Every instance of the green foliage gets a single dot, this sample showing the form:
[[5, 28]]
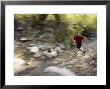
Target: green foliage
[[22, 16], [69, 24], [75, 23], [50, 17], [61, 34]]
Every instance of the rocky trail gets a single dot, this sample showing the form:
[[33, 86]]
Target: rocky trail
[[38, 55]]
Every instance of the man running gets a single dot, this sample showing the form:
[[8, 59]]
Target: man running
[[78, 38]]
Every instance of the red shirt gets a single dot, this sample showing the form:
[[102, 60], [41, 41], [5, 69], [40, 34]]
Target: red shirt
[[78, 39]]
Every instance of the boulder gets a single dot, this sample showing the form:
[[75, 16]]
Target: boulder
[[24, 39], [43, 47], [18, 61], [28, 47], [20, 28], [38, 54], [32, 44], [82, 61], [43, 57], [51, 54], [92, 62], [58, 71], [59, 49], [61, 45], [34, 49]]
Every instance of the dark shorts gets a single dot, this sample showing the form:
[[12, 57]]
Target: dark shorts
[[79, 46]]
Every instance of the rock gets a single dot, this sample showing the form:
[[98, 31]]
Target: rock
[[43, 57], [18, 62], [41, 36], [43, 47], [71, 62], [39, 43], [58, 71], [82, 61], [34, 49], [32, 44], [20, 28], [55, 62], [28, 47], [62, 46], [24, 39], [95, 69], [92, 62], [29, 62], [50, 54], [58, 49], [38, 54], [79, 54], [82, 65], [69, 66]]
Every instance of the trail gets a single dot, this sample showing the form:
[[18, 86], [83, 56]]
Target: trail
[[80, 65]]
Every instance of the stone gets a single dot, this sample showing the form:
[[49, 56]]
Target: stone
[[59, 49], [34, 49], [55, 62], [43, 57], [28, 47], [20, 28], [58, 71], [82, 61], [43, 47], [18, 61], [69, 66], [92, 62], [50, 54], [38, 54], [62, 46], [32, 44], [41, 36], [24, 39]]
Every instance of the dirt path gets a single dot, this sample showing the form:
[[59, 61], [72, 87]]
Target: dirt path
[[80, 65]]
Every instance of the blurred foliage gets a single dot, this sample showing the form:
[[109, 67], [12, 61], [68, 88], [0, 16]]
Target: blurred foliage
[[66, 25]]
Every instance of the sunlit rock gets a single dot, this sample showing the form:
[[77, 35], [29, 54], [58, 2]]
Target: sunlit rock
[[28, 47], [18, 61], [58, 49], [38, 54], [34, 49], [82, 61], [50, 53], [20, 28], [61, 45], [43, 47], [24, 39], [58, 71], [32, 44]]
